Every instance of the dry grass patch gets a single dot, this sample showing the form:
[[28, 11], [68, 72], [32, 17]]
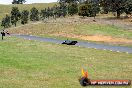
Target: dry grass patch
[[73, 27]]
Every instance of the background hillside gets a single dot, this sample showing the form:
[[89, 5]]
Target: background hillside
[[5, 9]]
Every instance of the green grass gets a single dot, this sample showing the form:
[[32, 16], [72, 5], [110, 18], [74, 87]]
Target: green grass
[[102, 29], [43, 29], [31, 64]]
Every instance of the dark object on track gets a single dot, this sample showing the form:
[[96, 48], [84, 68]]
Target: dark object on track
[[7, 33], [69, 42]]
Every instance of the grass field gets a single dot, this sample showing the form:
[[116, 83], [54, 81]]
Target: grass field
[[103, 29], [31, 64]]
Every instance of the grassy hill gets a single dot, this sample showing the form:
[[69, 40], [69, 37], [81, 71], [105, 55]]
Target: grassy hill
[[6, 9]]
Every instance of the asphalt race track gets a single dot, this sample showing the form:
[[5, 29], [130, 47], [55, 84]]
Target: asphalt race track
[[80, 44]]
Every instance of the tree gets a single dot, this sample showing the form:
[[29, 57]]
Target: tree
[[128, 9], [89, 8], [94, 7], [48, 12], [34, 14], [55, 11], [21, 1], [14, 2], [15, 15], [18, 1], [68, 1], [63, 9], [24, 16], [69, 6], [6, 22], [118, 6], [52, 12], [72, 8], [43, 14]]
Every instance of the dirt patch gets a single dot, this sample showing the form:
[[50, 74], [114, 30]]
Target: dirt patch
[[97, 38]]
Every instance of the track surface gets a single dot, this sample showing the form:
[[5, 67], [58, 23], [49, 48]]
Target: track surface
[[80, 43]]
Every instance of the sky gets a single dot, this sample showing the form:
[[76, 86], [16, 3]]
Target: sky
[[28, 1]]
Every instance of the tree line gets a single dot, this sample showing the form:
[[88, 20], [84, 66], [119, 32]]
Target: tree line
[[95, 6], [34, 14], [67, 7], [18, 1], [116, 6]]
